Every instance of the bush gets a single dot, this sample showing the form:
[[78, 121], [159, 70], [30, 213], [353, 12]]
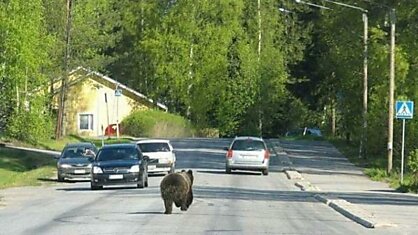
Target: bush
[[413, 167], [30, 127], [154, 123]]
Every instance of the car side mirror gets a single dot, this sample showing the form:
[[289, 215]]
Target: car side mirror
[[226, 148], [57, 157], [146, 158]]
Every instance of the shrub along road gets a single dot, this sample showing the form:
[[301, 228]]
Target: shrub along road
[[239, 203]]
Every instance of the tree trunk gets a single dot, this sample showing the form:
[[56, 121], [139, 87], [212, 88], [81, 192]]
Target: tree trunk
[[60, 128]]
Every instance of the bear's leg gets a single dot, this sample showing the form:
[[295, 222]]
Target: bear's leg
[[184, 205], [168, 203]]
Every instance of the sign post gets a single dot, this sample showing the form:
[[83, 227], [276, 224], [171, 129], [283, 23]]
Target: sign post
[[107, 110], [404, 110], [118, 93], [103, 135]]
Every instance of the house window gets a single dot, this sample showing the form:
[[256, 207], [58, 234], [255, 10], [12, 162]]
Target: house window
[[86, 121]]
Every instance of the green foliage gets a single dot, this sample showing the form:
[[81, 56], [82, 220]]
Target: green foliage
[[202, 59], [413, 166], [94, 31], [377, 174], [154, 123], [23, 40], [30, 126]]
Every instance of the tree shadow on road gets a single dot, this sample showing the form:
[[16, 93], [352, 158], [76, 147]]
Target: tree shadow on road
[[47, 179], [232, 193]]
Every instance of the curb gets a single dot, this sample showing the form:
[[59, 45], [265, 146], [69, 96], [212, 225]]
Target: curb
[[306, 186], [292, 174], [349, 210], [49, 152]]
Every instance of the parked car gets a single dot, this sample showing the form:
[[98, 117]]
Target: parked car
[[248, 153], [75, 161], [304, 132], [119, 164], [161, 154]]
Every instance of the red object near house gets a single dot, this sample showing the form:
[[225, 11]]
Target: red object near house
[[111, 130]]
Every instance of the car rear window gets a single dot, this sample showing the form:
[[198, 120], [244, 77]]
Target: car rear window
[[248, 145], [154, 147], [117, 154]]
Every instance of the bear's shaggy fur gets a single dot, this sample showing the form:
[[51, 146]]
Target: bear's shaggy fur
[[177, 188]]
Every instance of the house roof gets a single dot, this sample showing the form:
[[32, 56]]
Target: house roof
[[117, 85]]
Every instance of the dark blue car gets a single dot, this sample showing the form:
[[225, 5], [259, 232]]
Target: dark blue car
[[119, 164]]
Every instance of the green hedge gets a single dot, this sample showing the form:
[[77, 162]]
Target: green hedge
[[154, 123]]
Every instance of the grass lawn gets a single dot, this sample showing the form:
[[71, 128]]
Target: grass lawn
[[22, 168]]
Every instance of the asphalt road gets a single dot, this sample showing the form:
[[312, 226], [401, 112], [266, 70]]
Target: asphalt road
[[239, 203]]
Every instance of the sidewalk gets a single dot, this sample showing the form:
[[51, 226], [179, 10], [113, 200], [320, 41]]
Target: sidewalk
[[344, 187]]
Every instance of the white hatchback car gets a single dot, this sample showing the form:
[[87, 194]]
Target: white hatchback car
[[161, 154], [248, 153]]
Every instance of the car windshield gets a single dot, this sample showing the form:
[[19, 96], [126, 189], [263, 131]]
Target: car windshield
[[154, 147], [77, 152], [110, 154], [248, 145]]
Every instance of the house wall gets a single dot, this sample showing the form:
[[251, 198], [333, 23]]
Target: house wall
[[87, 97]]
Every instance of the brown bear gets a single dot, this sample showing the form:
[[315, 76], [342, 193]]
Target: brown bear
[[177, 188]]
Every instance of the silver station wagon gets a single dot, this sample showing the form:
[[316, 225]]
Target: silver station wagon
[[248, 153]]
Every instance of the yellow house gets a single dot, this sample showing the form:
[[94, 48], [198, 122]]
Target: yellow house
[[94, 101]]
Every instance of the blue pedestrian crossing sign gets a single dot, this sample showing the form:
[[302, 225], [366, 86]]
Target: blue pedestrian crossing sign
[[404, 109]]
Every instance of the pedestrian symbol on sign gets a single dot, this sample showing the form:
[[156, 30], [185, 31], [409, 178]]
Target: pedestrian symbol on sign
[[404, 109]]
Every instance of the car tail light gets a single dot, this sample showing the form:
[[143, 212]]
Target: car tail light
[[229, 153], [266, 154]]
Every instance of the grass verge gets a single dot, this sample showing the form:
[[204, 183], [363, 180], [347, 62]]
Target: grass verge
[[22, 168]]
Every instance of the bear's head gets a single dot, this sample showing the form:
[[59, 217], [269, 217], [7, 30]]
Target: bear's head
[[189, 173]]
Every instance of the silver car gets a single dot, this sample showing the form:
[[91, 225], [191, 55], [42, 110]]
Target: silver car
[[75, 161], [248, 153]]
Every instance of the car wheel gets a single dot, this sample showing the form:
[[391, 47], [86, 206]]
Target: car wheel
[[141, 183], [265, 172], [228, 170], [95, 187], [60, 178]]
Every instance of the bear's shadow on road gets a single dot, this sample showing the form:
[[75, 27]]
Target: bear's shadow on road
[[147, 213], [152, 213]]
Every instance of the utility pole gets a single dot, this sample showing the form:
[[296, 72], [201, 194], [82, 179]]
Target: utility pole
[[260, 112], [60, 128], [391, 89], [363, 141]]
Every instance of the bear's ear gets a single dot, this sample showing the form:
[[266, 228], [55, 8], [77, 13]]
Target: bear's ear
[[190, 174], [183, 170]]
